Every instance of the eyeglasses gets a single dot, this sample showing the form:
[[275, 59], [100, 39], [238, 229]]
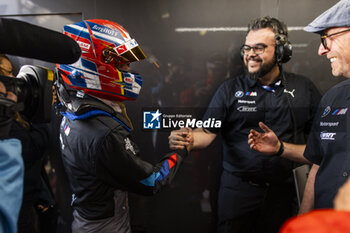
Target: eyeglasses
[[257, 49], [324, 37]]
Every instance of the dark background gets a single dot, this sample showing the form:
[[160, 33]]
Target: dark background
[[183, 58]]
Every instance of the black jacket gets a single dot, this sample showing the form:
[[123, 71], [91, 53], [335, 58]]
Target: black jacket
[[34, 142], [100, 156]]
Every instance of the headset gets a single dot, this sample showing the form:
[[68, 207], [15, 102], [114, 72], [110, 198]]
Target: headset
[[283, 48], [283, 53]]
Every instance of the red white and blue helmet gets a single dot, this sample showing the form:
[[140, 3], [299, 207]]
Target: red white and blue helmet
[[104, 45]]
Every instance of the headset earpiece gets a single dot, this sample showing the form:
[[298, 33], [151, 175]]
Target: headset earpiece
[[283, 50]]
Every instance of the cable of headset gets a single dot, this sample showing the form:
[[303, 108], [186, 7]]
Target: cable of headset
[[290, 104]]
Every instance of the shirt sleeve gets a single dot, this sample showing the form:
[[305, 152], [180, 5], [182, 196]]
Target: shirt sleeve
[[315, 98], [119, 164], [11, 184], [217, 108], [313, 146]]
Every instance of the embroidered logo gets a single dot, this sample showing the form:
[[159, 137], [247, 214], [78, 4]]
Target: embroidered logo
[[73, 199], [339, 111], [246, 109], [246, 101], [326, 111], [251, 93], [329, 124], [66, 130], [289, 92], [327, 136], [129, 146], [239, 94]]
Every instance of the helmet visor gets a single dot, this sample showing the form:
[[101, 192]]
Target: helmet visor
[[135, 54], [130, 51]]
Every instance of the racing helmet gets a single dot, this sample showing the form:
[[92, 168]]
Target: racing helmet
[[105, 46]]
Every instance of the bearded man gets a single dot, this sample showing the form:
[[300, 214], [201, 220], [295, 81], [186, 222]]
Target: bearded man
[[257, 192]]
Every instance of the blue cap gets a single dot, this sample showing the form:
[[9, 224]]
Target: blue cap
[[336, 16]]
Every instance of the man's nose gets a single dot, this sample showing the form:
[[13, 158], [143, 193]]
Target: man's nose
[[322, 50]]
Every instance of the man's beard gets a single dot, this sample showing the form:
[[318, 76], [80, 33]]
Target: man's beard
[[264, 69]]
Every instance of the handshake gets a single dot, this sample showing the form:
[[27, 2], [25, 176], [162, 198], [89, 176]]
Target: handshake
[[180, 139]]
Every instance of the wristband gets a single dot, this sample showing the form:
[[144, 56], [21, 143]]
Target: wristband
[[281, 150]]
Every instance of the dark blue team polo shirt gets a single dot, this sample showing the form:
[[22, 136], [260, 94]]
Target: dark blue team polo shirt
[[328, 144], [241, 103]]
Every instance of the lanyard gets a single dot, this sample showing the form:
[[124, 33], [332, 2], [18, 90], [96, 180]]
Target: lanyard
[[272, 87]]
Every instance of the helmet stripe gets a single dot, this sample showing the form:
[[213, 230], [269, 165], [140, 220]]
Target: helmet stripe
[[84, 32], [77, 31]]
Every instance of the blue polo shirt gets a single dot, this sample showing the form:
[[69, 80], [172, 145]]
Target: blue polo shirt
[[241, 103], [328, 144]]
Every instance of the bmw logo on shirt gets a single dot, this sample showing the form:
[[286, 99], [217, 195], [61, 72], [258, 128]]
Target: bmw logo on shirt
[[239, 94]]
